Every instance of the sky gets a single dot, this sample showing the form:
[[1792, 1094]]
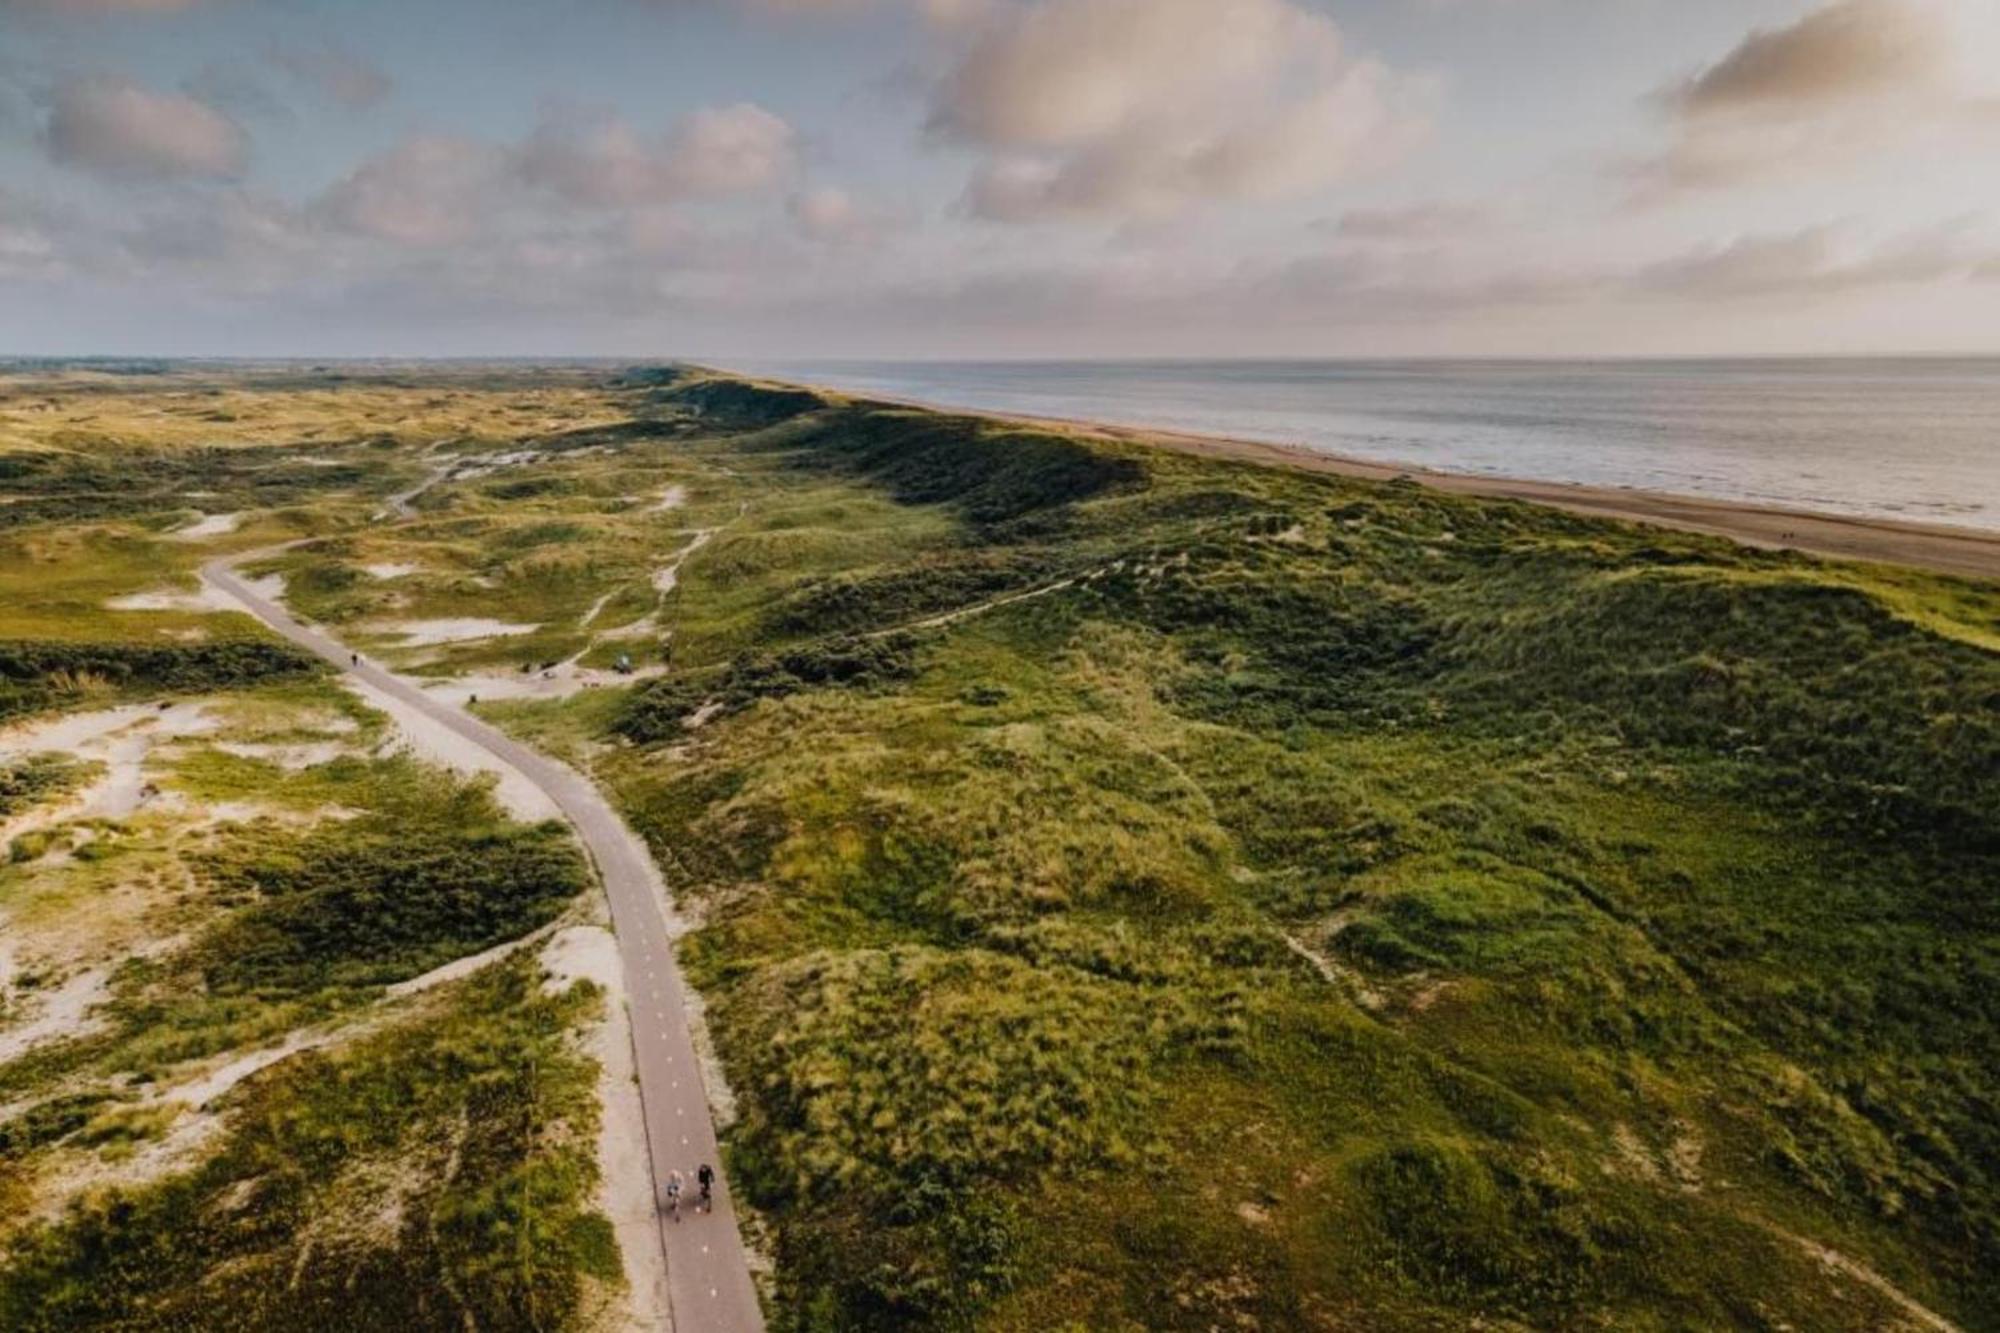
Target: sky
[[999, 178]]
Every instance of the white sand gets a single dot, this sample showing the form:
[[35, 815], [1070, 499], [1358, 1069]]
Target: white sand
[[209, 525], [457, 629], [460, 968], [170, 599], [441, 745], [118, 738], [62, 1012], [391, 570], [558, 682], [670, 499]]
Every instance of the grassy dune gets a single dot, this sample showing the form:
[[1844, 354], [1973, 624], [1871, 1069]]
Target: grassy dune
[[1341, 905], [1134, 891]]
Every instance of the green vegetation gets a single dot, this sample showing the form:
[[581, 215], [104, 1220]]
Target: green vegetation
[[381, 898], [35, 780], [37, 675], [1136, 890], [472, 1125], [1326, 903]]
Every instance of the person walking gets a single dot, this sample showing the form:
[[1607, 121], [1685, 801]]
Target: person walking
[[674, 1183], [705, 1177]]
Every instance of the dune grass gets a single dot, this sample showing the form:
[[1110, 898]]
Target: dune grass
[[1338, 905], [1145, 892]]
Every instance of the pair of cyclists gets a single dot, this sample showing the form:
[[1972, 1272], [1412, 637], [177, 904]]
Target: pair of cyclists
[[704, 1177]]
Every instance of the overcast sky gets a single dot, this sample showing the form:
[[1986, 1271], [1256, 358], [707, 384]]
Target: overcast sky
[[779, 178]]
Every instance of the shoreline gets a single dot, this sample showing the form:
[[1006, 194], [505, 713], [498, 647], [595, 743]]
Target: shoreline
[[1972, 553]]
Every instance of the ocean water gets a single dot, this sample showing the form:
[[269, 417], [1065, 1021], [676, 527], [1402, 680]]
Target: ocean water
[[1912, 439]]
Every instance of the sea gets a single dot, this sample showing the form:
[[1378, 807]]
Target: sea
[[1916, 439]]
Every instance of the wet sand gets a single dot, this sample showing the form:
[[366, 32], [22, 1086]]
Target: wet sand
[[1966, 552]]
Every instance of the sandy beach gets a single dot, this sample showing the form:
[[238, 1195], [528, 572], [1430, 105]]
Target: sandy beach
[[1965, 552]]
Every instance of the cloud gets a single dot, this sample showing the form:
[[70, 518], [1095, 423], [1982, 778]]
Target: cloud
[[1823, 261], [431, 190], [29, 239], [1414, 223], [1143, 108], [436, 190], [1847, 84], [334, 71], [117, 128], [727, 150], [608, 163], [1847, 50], [833, 216]]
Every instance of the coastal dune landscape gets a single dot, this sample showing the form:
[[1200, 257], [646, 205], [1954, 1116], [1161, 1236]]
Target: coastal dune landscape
[[1090, 854], [999, 666]]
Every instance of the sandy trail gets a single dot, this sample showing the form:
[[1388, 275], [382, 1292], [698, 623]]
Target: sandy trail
[[208, 525], [669, 578]]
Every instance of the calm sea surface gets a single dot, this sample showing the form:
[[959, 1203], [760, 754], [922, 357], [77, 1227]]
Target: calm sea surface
[[1909, 439]]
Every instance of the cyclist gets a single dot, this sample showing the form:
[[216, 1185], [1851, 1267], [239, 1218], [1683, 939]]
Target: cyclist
[[674, 1183], [705, 1177]]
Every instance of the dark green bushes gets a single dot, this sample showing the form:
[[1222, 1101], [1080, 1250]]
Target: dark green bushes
[[930, 586], [35, 673], [377, 900], [27, 782], [991, 473], [659, 710]]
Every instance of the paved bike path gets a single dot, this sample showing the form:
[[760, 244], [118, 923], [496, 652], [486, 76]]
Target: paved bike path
[[708, 1279]]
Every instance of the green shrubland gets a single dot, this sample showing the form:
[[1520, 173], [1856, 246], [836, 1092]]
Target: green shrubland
[[1336, 904], [480, 1119]]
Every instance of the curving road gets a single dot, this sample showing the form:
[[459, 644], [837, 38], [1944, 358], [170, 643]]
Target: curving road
[[708, 1280]]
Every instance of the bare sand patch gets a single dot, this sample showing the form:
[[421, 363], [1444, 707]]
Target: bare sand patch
[[208, 525], [453, 629], [390, 569], [64, 1011], [670, 499], [558, 682], [440, 744], [169, 599], [119, 739]]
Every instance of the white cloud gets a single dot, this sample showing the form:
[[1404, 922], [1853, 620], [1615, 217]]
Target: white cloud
[[431, 190], [1144, 108], [726, 150], [607, 163], [117, 128]]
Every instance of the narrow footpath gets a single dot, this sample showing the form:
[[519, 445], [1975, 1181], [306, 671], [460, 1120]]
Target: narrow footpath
[[707, 1277]]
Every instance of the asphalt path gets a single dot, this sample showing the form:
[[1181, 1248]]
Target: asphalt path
[[708, 1279]]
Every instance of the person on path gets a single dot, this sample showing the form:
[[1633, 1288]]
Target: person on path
[[705, 1177], [674, 1183]]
